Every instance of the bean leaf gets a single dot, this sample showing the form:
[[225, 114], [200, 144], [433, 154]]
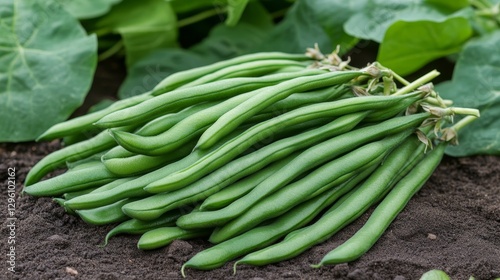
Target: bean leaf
[[143, 25], [407, 46], [376, 16], [85, 9], [223, 42], [476, 84], [47, 62]]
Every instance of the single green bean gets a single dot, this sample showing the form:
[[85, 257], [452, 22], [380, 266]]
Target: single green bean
[[140, 164], [180, 78], [106, 214], [386, 211], [160, 237], [86, 122], [134, 226], [92, 176]]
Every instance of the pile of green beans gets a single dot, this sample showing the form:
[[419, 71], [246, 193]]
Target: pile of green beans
[[265, 155]]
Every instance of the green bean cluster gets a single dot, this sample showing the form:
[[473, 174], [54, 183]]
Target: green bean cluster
[[265, 155]]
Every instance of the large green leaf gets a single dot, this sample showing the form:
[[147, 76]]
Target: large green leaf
[[223, 42], [144, 25], [235, 10], [454, 5], [85, 9], [476, 84], [376, 16], [407, 46], [298, 31], [47, 62]]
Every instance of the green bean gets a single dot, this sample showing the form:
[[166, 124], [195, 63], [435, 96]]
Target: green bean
[[297, 100], [92, 176], [310, 158], [331, 222], [287, 197], [386, 211], [134, 226], [70, 195], [165, 122], [113, 184], [178, 99], [234, 147], [247, 69], [268, 96], [139, 164], [154, 206], [61, 201], [265, 235], [104, 215], [159, 237], [180, 78], [86, 122], [58, 159]]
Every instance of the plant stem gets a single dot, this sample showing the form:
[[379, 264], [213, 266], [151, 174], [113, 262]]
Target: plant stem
[[417, 83], [463, 122], [111, 51], [200, 16], [465, 111]]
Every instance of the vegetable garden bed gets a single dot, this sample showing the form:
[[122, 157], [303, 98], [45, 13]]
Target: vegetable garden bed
[[348, 136]]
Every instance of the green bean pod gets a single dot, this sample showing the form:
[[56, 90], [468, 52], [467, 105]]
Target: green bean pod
[[70, 181], [86, 122], [134, 226], [106, 214], [165, 122], [178, 99], [386, 211], [247, 69], [300, 99], [310, 158], [230, 149], [355, 204], [140, 164], [293, 194], [154, 206], [58, 159], [163, 236], [268, 96], [264, 235], [183, 77]]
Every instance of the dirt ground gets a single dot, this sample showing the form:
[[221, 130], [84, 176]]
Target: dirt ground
[[452, 224]]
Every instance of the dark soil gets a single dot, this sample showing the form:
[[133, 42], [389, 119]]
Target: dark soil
[[452, 224]]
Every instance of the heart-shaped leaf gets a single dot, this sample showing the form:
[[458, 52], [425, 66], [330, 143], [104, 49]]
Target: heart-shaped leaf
[[47, 63]]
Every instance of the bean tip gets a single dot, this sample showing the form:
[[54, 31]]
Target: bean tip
[[316, 265], [183, 273]]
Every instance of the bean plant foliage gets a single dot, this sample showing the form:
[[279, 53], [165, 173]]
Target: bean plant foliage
[[48, 48]]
